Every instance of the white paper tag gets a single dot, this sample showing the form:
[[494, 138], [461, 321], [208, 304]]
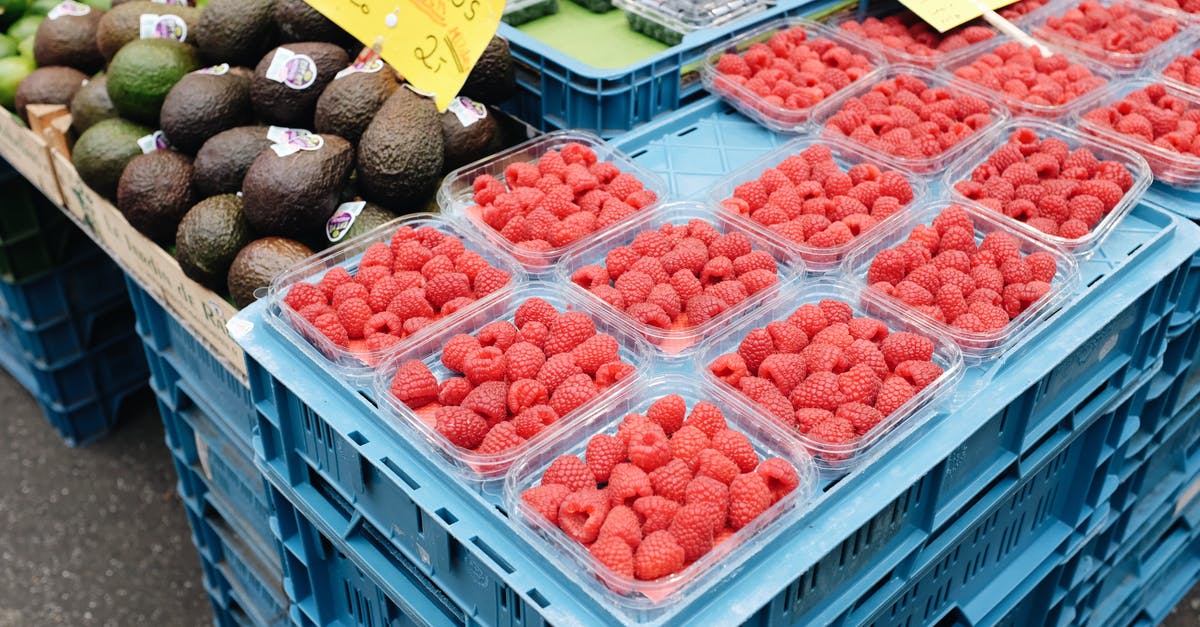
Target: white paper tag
[[68, 8], [154, 141], [297, 71], [427, 94], [216, 70], [163, 27], [289, 141], [370, 67], [467, 111], [202, 453], [343, 218]]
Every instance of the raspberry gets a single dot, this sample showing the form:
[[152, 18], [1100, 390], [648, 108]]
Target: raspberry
[[570, 471], [687, 442], [754, 260], [614, 553], [707, 490], [649, 314], [414, 385], [573, 392], [489, 280], [523, 394], [668, 412], [622, 523], [649, 449], [546, 499], [749, 496], [411, 303], [903, 346], [671, 479], [627, 483], [833, 431], [353, 314], [820, 391], [666, 298], [766, 395], [485, 364], [920, 373], [410, 255], [567, 331], [1042, 266], [729, 368], [713, 463], [755, 347], [656, 512], [463, 427], [780, 476], [895, 392], [862, 417], [736, 447], [500, 438], [303, 294], [785, 371], [809, 318], [603, 453], [333, 279], [535, 309], [706, 417], [658, 556], [346, 291], [531, 421], [582, 513], [859, 383], [588, 277], [596, 351], [703, 307], [490, 400], [456, 350], [558, 369], [692, 530], [439, 264], [501, 334], [522, 359]]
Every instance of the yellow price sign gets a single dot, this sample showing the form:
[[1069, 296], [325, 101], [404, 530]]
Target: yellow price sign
[[946, 14], [432, 43]]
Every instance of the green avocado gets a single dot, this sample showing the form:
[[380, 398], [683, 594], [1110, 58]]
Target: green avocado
[[91, 104], [400, 156], [347, 105], [154, 193], [201, 105], [223, 160], [123, 24], [238, 32], [69, 40], [209, 238], [102, 152], [259, 262], [142, 73], [293, 100], [294, 195], [48, 85]]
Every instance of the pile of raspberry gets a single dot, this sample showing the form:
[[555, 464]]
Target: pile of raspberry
[[1024, 7], [941, 272], [810, 200], [827, 374], [661, 492], [559, 199], [903, 116], [399, 289], [1154, 116], [679, 276], [908, 33], [1026, 75], [517, 377], [792, 71], [1115, 28], [1187, 6], [1045, 184], [1185, 69]]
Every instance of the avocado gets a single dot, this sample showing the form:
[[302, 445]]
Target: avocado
[[91, 104], [293, 102], [25, 27], [102, 152], [400, 155], [201, 105], [293, 196], [297, 21], [494, 78], [347, 105], [69, 40], [154, 193], [259, 262], [48, 85], [478, 138], [370, 218], [238, 32], [209, 237], [224, 159], [123, 24], [11, 11], [13, 70], [142, 73]]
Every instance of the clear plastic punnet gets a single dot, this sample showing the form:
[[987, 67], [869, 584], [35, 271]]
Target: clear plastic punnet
[[456, 195], [683, 338], [1188, 50], [1018, 105], [358, 363], [839, 458], [641, 601], [935, 59], [1177, 169], [778, 117], [521, 11], [670, 20], [982, 346], [1138, 169], [1124, 63], [846, 154], [924, 165], [479, 468]]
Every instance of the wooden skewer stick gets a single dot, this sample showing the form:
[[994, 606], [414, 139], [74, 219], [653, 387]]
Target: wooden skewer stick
[[1008, 28]]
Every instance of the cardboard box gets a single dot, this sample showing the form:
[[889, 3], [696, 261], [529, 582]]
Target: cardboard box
[[29, 154]]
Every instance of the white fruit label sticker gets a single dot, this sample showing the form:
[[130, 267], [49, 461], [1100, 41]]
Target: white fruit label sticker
[[163, 27], [370, 67], [216, 70], [154, 141], [467, 111], [289, 141], [297, 71], [178, 3], [68, 8], [339, 224], [427, 94]]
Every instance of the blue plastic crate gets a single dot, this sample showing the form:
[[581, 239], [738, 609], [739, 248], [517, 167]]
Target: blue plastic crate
[[88, 282], [1187, 310], [12, 357], [56, 342], [183, 357], [558, 92]]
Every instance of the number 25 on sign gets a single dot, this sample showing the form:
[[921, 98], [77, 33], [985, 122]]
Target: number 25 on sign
[[432, 43]]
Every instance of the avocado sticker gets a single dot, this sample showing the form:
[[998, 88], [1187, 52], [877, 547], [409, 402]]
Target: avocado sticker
[[467, 111], [343, 218], [154, 141], [370, 67], [68, 8], [289, 141], [297, 71], [216, 70], [163, 27]]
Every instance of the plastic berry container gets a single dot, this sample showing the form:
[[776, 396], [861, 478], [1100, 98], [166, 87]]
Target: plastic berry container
[[669, 21], [1122, 62], [838, 458], [776, 117], [1020, 106], [846, 155], [358, 364], [1104, 151], [933, 60], [1177, 8], [977, 347], [924, 165], [479, 467], [637, 600], [1189, 52], [521, 11], [683, 339], [455, 197]]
